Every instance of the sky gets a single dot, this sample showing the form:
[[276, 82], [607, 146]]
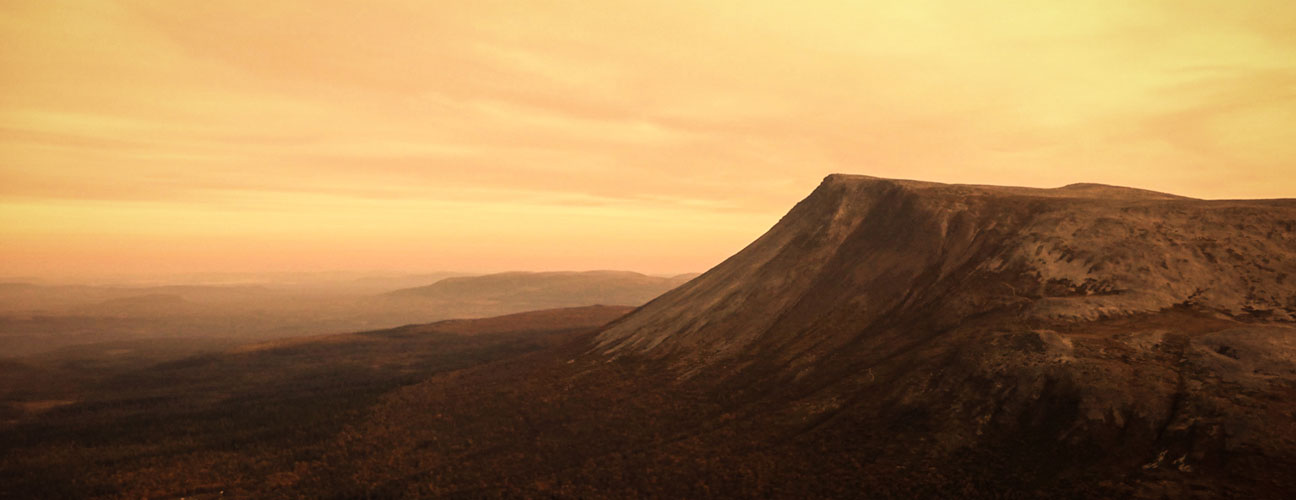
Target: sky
[[659, 136]]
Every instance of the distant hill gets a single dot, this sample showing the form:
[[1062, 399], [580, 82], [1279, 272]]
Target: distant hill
[[546, 290], [384, 283], [38, 318]]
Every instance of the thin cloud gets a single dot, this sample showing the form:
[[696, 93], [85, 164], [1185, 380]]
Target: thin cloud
[[252, 118]]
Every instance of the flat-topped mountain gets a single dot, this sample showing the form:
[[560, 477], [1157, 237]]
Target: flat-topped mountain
[[893, 338], [1153, 332], [861, 252]]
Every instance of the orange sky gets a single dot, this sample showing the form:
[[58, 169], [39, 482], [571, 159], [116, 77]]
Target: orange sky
[[657, 136]]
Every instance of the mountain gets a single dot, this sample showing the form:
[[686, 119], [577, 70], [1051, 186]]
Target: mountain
[[544, 290], [892, 338], [861, 252]]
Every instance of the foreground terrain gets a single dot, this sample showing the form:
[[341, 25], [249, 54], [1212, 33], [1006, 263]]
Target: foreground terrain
[[886, 339], [244, 419]]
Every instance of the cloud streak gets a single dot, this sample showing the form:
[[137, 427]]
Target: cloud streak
[[158, 120]]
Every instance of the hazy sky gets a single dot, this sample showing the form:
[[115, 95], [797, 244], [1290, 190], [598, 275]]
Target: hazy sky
[[655, 136]]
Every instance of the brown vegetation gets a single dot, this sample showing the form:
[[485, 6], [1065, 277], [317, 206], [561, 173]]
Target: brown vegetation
[[245, 421]]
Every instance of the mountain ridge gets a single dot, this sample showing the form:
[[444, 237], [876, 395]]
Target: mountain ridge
[[1061, 253]]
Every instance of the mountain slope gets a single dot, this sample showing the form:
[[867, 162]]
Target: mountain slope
[[1151, 319]]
